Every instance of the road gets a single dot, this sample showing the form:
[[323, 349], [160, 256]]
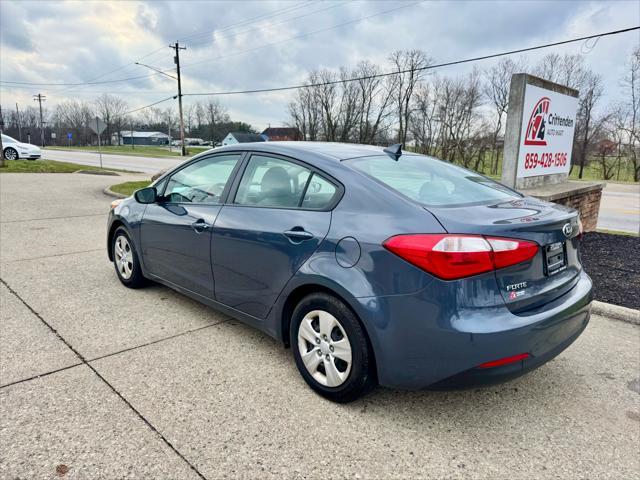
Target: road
[[122, 162], [107, 382], [620, 207]]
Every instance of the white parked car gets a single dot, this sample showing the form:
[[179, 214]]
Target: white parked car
[[13, 149]]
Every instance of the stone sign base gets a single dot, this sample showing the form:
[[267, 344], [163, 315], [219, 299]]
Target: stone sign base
[[583, 196]]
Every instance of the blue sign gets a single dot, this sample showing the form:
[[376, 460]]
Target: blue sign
[[69, 135]]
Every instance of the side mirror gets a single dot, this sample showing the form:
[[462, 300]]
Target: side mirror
[[146, 195]]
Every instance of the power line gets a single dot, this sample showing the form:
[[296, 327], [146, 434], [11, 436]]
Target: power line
[[150, 105], [273, 24], [430, 67], [234, 54], [248, 21]]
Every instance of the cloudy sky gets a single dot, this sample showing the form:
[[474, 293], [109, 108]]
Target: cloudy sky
[[262, 44]]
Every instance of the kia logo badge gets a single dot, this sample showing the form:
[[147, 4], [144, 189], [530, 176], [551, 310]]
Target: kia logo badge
[[567, 230]]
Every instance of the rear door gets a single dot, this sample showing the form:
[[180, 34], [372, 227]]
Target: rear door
[[176, 231], [272, 225]]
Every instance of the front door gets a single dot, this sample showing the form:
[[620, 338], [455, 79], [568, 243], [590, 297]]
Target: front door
[[267, 231], [176, 231]]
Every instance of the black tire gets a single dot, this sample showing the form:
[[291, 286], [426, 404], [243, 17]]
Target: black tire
[[361, 377], [11, 153], [136, 278]]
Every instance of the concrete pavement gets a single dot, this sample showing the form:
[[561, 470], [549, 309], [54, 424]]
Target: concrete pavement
[[116, 383], [620, 207]]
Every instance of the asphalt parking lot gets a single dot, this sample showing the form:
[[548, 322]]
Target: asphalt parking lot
[[98, 381]]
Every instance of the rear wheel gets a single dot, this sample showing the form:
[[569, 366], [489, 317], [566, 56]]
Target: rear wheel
[[125, 260], [10, 153], [331, 349]]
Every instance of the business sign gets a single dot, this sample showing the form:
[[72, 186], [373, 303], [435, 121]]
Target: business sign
[[546, 139]]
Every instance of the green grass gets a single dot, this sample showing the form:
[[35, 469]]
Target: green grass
[[127, 188], [41, 166]]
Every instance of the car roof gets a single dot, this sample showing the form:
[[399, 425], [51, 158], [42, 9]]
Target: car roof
[[329, 150]]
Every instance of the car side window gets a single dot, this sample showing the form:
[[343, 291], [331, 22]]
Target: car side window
[[201, 182], [320, 193], [272, 182]]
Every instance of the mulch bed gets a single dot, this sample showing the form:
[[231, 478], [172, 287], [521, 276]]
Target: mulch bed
[[613, 263]]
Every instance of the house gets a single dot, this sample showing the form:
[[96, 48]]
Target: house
[[281, 134], [143, 138], [241, 137]]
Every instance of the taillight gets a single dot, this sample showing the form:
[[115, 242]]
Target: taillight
[[457, 256]]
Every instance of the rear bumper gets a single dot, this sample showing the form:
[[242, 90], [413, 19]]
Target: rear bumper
[[419, 344]]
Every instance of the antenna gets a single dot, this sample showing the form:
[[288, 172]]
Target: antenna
[[394, 151]]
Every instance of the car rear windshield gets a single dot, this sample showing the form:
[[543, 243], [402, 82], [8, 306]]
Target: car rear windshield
[[433, 182]]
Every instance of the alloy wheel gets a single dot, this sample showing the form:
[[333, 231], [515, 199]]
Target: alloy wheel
[[10, 154], [123, 257], [324, 348]]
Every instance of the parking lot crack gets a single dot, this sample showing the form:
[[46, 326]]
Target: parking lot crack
[[55, 255], [160, 340], [102, 214], [84, 361]]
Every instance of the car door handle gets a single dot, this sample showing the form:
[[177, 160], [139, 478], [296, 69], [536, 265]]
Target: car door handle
[[298, 234], [200, 226]]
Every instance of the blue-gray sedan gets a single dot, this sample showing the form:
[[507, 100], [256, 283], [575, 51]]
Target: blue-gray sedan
[[373, 265]]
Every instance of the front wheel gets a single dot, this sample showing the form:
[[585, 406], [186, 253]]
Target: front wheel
[[330, 349], [10, 153], [125, 260]]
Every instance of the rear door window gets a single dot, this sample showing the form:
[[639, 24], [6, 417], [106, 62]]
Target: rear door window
[[433, 182], [272, 182], [320, 193]]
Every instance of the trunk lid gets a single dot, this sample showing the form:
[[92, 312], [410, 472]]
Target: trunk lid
[[555, 268]]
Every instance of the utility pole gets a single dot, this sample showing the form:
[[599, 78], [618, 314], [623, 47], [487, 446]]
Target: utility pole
[[176, 60], [39, 98], [18, 120]]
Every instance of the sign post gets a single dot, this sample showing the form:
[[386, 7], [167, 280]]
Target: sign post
[[98, 126], [69, 139]]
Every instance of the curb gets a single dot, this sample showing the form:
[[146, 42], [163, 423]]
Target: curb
[[107, 191], [616, 312]]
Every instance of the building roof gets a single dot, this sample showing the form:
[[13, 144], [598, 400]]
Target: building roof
[[135, 134], [244, 137], [281, 131]]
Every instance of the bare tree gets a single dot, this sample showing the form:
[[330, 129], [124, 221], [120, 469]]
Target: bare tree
[[424, 121], [112, 109], [586, 126], [375, 98], [409, 67], [215, 113], [72, 114], [496, 89], [629, 112], [304, 114], [189, 117]]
